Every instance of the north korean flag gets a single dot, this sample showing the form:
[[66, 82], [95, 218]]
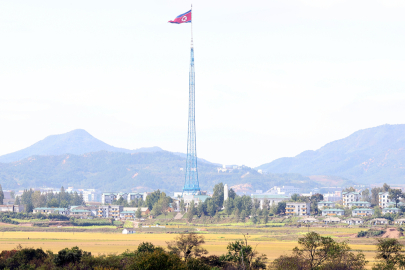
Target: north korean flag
[[183, 18]]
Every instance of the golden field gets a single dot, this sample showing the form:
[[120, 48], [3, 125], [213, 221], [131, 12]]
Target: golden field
[[105, 243]]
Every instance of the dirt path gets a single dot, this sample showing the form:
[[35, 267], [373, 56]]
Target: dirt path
[[391, 233]]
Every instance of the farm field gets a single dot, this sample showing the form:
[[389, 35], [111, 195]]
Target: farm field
[[268, 243]]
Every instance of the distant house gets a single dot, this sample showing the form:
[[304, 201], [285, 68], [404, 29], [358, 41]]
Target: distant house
[[400, 221], [354, 221], [12, 208], [379, 221], [128, 231], [324, 204], [359, 204], [50, 210], [333, 212], [390, 210], [331, 220], [362, 212], [308, 220]]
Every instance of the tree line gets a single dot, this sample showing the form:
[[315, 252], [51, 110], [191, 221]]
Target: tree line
[[186, 252], [34, 198]]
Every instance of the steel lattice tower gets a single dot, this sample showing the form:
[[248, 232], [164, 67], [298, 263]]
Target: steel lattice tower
[[191, 185]]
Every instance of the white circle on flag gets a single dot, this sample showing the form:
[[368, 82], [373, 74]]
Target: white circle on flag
[[184, 18]]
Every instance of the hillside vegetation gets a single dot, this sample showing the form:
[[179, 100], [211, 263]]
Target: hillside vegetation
[[371, 155]]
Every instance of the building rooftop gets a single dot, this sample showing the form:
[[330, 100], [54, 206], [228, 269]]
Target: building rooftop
[[363, 209], [333, 209]]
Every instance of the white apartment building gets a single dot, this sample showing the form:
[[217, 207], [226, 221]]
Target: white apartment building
[[383, 200], [297, 209], [323, 204], [107, 198], [350, 197], [283, 190], [109, 211], [133, 196], [332, 197]]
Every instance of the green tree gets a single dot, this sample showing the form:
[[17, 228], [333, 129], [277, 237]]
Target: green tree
[[138, 213], [1, 195], [389, 252], [232, 194], [395, 195], [265, 214], [243, 256], [243, 216], [386, 187], [377, 212], [182, 206], [200, 209], [365, 195], [349, 189], [191, 211], [281, 208], [187, 246], [218, 196], [374, 195], [323, 253]]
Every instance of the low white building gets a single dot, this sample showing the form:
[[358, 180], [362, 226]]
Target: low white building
[[297, 209], [308, 220], [379, 221], [12, 208], [50, 210], [333, 212], [128, 231], [390, 210], [362, 212], [331, 220], [400, 221], [353, 221]]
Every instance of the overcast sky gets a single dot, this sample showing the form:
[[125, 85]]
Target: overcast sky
[[273, 78]]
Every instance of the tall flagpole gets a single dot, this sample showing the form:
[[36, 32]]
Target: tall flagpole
[[191, 185]]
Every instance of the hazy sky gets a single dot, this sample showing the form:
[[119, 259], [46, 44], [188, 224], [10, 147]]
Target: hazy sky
[[273, 78]]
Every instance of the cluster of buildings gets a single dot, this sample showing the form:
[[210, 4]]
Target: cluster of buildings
[[116, 212]]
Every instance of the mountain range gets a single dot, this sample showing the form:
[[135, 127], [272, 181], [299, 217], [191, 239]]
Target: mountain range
[[75, 142], [373, 155], [77, 159]]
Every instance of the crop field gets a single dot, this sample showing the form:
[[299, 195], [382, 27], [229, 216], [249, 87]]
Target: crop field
[[270, 242]]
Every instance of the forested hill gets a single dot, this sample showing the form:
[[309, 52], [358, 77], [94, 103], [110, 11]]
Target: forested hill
[[112, 171], [76, 142], [371, 155]]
